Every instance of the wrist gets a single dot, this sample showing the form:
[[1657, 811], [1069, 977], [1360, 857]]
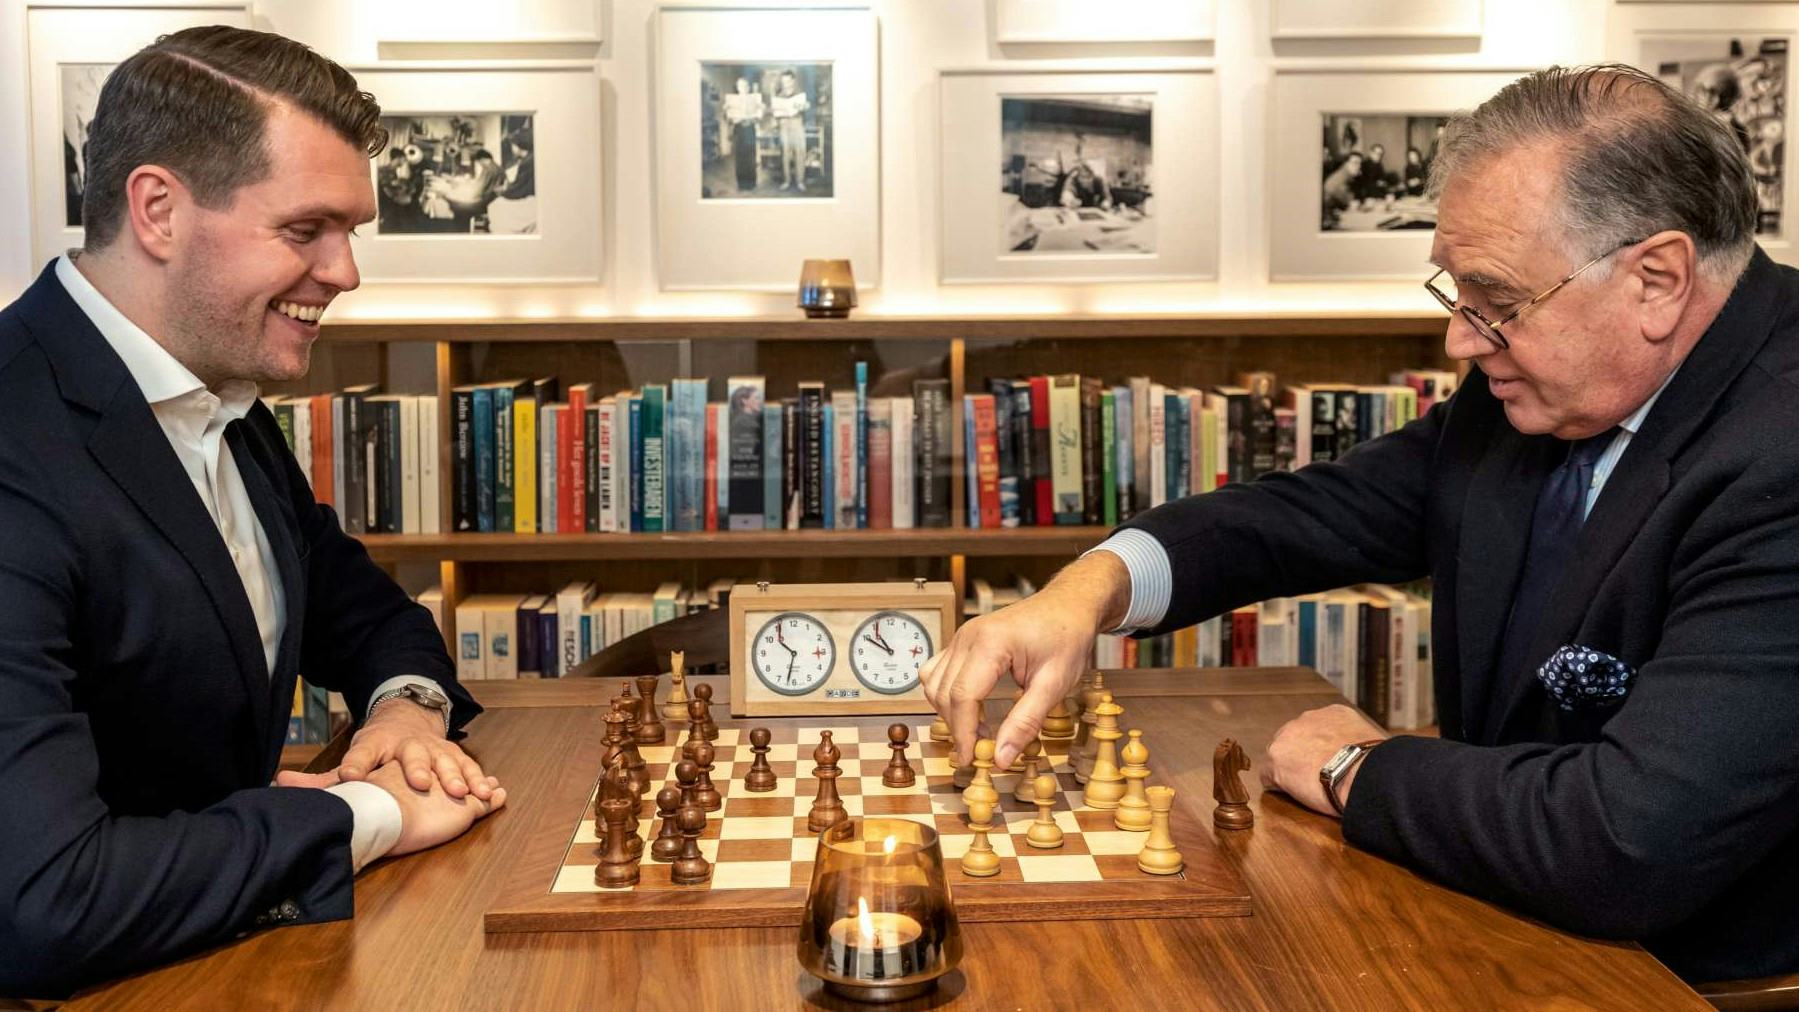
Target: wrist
[[1099, 586]]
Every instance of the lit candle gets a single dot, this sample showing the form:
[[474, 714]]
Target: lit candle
[[871, 945]]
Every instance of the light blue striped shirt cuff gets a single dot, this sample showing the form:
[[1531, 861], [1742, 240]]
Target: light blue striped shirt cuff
[[1152, 578]]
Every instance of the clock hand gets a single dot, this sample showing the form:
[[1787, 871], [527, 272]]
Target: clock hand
[[878, 643], [881, 641]]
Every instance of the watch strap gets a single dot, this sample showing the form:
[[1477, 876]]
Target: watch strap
[[1333, 778], [411, 692]]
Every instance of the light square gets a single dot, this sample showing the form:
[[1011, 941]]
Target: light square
[[1115, 842], [937, 766], [805, 848], [778, 828], [574, 878], [751, 875], [1059, 868], [783, 753], [957, 845]]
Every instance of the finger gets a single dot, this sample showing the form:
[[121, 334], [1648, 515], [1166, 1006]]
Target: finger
[[449, 774], [295, 778], [359, 760], [415, 760], [942, 666], [1024, 723], [499, 800], [973, 680], [477, 781]]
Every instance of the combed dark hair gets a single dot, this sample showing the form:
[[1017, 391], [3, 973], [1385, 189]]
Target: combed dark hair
[[1639, 158], [197, 102]]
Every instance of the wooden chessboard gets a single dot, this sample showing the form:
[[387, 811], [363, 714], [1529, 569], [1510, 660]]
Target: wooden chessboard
[[762, 854]]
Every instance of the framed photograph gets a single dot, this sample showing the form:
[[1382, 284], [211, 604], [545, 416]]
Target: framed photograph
[[767, 145], [1077, 195], [71, 51], [1377, 19], [1122, 21], [490, 174], [1349, 153], [1735, 61]]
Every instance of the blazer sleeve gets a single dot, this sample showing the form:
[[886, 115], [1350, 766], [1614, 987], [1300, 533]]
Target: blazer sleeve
[[1354, 520], [1692, 783], [87, 895], [361, 628]]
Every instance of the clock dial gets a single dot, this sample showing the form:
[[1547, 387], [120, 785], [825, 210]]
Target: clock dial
[[888, 650], [793, 653]]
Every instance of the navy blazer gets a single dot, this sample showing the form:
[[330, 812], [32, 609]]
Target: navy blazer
[[1665, 810], [139, 724]]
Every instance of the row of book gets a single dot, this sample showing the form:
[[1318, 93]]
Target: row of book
[[371, 456]]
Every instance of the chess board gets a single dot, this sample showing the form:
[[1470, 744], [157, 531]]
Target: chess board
[[762, 854]]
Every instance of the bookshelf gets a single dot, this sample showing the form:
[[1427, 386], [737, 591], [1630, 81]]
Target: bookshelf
[[425, 356]]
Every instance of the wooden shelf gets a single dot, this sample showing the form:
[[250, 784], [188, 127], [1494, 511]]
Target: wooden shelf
[[886, 328], [916, 543]]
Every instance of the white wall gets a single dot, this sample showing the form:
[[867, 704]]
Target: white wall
[[918, 39]]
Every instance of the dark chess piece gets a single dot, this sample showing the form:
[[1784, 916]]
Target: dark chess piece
[[687, 774], [691, 868], [705, 794], [650, 729], [761, 776], [704, 694], [696, 722], [627, 705], [827, 807], [898, 772], [615, 785], [618, 866], [668, 839], [1228, 764]]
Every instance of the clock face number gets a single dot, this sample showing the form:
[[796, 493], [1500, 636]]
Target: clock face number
[[793, 653], [888, 650]]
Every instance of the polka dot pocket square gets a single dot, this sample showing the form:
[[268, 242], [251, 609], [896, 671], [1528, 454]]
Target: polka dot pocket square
[[1578, 677]]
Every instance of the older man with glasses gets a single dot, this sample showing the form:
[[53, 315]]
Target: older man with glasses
[[1607, 510]]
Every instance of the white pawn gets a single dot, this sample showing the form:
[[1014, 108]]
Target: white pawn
[[1044, 833], [1133, 809], [1026, 791]]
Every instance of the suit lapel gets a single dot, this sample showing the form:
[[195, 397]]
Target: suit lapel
[[1490, 556], [279, 524], [130, 445]]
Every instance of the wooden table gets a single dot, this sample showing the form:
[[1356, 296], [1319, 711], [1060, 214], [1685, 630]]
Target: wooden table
[[1332, 928]]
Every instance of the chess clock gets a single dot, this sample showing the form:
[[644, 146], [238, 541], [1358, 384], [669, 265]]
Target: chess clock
[[835, 648]]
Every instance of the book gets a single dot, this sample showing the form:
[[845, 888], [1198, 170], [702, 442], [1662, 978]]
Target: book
[[828, 463], [880, 463], [1092, 473], [606, 462], [984, 451], [323, 476], [1025, 448], [505, 427], [748, 457], [430, 475], [685, 446], [843, 458], [860, 476], [549, 474], [571, 601], [932, 459], [809, 438], [633, 448], [902, 463], [486, 457], [1123, 428], [1041, 452], [709, 479], [531, 652], [357, 431], [462, 459], [1156, 444], [572, 453], [526, 459], [1065, 448], [655, 474], [772, 464], [1109, 458], [548, 639], [411, 519], [1007, 442]]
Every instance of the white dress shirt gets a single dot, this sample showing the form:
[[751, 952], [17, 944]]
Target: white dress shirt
[[194, 420], [1152, 577]]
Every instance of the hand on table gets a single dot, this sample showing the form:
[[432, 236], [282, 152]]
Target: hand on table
[[402, 733], [1304, 744], [1044, 641]]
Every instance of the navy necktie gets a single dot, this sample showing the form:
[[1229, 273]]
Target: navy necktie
[[1554, 530]]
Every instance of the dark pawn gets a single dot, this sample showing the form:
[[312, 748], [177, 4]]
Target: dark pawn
[[650, 730], [761, 776], [704, 694], [668, 839], [687, 774], [827, 807], [691, 868], [899, 771], [696, 723], [704, 793]]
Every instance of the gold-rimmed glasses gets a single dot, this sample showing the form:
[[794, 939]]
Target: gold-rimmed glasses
[[1488, 328]]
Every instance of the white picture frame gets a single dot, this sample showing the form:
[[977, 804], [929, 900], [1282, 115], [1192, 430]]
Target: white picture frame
[[1001, 222], [1051, 21], [565, 242], [1659, 37], [1376, 19], [1300, 249], [710, 239], [62, 42]]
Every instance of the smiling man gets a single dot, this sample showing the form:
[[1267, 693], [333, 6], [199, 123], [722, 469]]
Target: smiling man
[[164, 571], [1607, 511]]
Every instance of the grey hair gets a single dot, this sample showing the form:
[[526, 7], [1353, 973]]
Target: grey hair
[[1637, 158]]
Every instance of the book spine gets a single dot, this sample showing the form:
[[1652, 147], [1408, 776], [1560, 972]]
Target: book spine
[[527, 460], [505, 485], [284, 420], [792, 463], [904, 504], [1262, 439], [574, 460], [1125, 464], [1092, 472], [809, 441], [986, 455], [1109, 458], [721, 471], [880, 464], [549, 428], [1041, 450], [1241, 462], [861, 454], [567, 425], [547, 638], [591, 488], [971, 481], [748, 456], [430, 466], [1180, 447], [828, 464], [772, 465], [462, 463], [933, 458], [1156, 445], [323, 488], [1008, 455], [530, 651], [1323, 411], [409, 518], [355, 437], [604, 438], [709, 479], [390, 467], [844, 447], [684, 450], [1286, 439], [1024, 445], [655, 474], [486, 462]]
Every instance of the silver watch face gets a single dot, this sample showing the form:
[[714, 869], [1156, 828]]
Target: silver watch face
[[428, 697]]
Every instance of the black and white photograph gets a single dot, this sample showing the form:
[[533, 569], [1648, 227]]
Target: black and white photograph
[[457, 174], [765, 131], [80, 97], [1741, 81], [1375, 170], [1076, 175]]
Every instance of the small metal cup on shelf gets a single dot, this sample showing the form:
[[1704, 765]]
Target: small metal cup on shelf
[[827, 289]]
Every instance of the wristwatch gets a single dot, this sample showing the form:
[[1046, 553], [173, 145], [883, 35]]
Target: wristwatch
[[1339, 766], [424, 695]]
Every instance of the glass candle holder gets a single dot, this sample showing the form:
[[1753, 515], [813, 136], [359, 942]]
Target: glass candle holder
[[879, 925], [827, 288]]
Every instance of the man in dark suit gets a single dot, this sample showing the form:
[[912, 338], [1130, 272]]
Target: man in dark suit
[[165, 572], [1606, 510]]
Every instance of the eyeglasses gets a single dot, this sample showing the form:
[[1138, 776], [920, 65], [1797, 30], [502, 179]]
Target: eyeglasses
[[1488, 328]]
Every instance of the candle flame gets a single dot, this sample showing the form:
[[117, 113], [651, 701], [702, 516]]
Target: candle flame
[[888, 844], [864, 923]]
